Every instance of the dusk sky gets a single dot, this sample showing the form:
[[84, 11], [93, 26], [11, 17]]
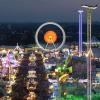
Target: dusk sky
[[44, 10]]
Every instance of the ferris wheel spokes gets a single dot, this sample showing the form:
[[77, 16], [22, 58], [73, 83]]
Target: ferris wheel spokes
[[52, 44]]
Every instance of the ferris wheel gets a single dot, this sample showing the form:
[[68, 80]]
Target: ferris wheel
[[50, 36]]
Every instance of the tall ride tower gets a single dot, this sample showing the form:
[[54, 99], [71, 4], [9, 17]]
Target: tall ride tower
[[80, 32], [89, 50]]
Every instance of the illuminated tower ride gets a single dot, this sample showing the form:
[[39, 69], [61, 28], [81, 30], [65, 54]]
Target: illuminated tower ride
[[80, 32], [89, 13]]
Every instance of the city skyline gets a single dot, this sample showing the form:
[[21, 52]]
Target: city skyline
[[44, 10]]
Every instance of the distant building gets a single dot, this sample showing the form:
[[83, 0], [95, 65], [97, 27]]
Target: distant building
[[96, 52]]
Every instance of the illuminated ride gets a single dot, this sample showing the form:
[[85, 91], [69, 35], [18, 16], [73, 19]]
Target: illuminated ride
[[63, 70], [61, 75], [52, 36], [80, 32], [89, 50]]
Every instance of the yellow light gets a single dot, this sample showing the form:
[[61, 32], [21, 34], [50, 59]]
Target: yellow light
[[56, 70], [63, 77]]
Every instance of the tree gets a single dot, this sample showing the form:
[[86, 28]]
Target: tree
[[42, 89], [19, 89]]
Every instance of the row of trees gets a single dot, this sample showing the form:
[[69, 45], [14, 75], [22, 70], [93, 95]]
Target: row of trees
[[20, 90]]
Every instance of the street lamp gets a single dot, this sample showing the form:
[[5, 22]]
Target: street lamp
[[89, 50]]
